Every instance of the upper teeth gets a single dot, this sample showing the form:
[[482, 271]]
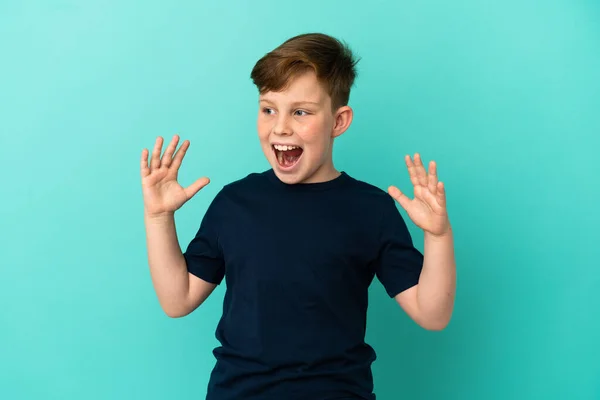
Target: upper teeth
[[284, 148]]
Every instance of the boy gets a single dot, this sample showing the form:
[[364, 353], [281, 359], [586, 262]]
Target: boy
[[299, 244]]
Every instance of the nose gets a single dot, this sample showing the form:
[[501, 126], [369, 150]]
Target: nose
[[282, 126]]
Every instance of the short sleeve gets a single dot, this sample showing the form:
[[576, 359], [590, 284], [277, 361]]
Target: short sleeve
[[399, 263], [203, 256]]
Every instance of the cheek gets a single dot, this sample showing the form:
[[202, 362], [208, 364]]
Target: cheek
[[314, 133], [263, 128]]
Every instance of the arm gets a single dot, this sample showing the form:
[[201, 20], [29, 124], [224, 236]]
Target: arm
[[429, 303], [178, 291]]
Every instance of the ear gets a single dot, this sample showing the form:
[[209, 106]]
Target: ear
[[342, 120]]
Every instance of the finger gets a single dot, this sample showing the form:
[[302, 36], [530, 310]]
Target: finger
[[420, 170], [155, 160], [434, 201], [399, 197], [178, 159], [420, 192], [412, 171], [429, 198], [144, 170], [167, 157], [195, 187], [441, 194], [432, 178]]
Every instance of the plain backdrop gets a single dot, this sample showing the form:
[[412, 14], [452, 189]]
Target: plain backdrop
[[504, 95]]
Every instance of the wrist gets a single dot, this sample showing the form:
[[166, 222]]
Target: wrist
[[443, 236], [158, 218]]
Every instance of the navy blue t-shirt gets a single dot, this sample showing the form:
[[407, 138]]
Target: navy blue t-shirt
[[298, 261]]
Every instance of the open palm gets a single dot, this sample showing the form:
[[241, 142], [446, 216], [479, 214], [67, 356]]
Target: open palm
[[161, 191], [428, 208]]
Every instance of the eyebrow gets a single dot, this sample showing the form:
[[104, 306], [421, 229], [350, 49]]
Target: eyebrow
[[296, 103]]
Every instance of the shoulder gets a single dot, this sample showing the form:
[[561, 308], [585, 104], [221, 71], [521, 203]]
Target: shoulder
[[371, 194], [233, 193], [382, 210], [250, 183], [247, 186], [247, 182]]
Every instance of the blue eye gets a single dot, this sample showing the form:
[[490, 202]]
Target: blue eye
[[267, 110], [301, 111]]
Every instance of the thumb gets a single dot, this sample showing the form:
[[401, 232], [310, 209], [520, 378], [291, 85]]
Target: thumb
[[399, 197], [195, 187]]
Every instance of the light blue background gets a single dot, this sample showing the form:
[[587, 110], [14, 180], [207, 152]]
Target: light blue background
[[504, 95]]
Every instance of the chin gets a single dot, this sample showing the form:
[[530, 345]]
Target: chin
[[287, 176]]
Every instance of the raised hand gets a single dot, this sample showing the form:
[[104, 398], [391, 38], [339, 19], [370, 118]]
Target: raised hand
[[162, 193], [428, 208]]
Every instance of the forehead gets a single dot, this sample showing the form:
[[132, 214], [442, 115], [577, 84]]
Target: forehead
[[302, 88]]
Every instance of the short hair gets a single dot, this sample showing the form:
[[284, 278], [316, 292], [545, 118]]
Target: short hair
[[330, 59]]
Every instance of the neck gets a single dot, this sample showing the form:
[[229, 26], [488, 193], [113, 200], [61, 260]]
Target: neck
[[326, 172]]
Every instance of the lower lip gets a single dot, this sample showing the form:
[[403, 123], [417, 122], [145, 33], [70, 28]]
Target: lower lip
[[286, 168]]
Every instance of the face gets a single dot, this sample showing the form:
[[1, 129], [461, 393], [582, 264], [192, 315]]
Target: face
[[296, 128]]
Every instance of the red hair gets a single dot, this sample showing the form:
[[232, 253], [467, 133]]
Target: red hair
[[330, 59]]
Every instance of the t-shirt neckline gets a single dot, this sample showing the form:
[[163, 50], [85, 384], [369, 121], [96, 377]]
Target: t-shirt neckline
[[338, 181]]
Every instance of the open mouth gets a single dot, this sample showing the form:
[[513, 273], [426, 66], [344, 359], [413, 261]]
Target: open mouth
[[287, 156]]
